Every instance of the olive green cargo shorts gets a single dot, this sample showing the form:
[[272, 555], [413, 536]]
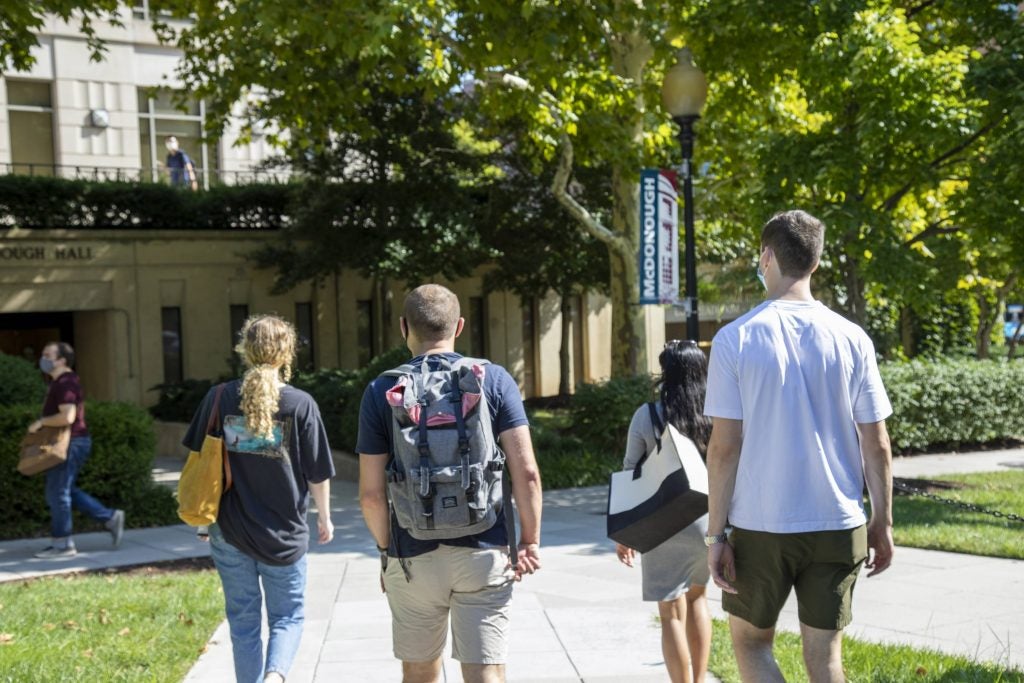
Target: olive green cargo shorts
[[821, 565]]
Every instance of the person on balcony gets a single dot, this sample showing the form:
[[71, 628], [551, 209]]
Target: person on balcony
[[182, 170]]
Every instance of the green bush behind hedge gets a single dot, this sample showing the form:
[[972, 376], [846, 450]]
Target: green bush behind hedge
[[946, 405], [937, 406], [48, 202], [21, 382], [118, 472], [337, 392]]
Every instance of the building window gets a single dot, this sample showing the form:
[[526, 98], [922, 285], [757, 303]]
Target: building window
[[364, 331], [529, 347], [477, 327], [239, 314], [170, 317], [30, 116], [305, 353], [160, 119]]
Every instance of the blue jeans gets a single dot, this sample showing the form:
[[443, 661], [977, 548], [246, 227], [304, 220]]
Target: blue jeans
[[62, 494], [283, 590]]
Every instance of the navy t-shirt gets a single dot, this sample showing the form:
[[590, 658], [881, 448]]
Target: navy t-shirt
[[263, 514], [375, 437]]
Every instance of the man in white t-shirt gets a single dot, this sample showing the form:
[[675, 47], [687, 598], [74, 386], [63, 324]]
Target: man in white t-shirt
[[799, 412]]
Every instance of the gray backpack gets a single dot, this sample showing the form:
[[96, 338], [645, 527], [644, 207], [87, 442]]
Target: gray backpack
[[445, 479]]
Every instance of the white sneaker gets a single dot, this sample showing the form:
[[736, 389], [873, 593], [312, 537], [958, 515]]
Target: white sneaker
[[51, 553], [115, 525]]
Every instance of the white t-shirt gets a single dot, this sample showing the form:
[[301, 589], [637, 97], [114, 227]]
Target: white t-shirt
[[799, 376]]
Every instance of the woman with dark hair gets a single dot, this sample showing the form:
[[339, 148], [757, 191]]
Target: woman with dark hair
[[675, 574]]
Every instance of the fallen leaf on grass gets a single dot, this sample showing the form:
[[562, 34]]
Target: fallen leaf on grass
[[49, 627], [125, 631], [87, 653], [104, 616], [70, 625], [203, 649], [921, 671], [6, 638]]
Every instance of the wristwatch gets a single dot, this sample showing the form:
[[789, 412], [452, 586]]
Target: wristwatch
[[716, 538]]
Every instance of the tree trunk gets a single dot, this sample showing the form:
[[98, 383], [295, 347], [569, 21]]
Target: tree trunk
[[629, 334], [564, 364], [1014, 340], [907, 340], [855, 302], [987, 318]]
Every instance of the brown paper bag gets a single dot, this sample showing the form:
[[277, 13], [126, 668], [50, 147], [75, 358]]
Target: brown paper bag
[[44, 449]]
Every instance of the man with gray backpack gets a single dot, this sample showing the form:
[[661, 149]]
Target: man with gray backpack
[[444, 445]]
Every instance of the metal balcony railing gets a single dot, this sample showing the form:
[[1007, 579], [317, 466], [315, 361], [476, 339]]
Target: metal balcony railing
[[205, 178]]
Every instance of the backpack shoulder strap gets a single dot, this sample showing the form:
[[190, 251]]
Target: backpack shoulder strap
[[215, 410], [467, 361], [659, 426], [400, 371]]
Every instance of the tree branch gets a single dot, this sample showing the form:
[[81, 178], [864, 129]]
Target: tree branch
[[933, 230], [893, 200], [911, 11], [559, 186]]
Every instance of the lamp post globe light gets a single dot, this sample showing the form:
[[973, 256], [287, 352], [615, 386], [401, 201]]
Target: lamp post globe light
[[683, 92]]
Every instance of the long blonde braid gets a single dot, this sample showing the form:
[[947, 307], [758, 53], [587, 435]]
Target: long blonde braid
[[267, 346]]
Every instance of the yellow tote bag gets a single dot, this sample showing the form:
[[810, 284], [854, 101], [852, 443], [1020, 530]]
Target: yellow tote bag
[[206, 476]]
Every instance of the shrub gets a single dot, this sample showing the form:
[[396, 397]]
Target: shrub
[[21, 382], [118, 473], [565, 461], [179, 400], [941, 405], [600, 413], [340, 392], [48, 202]]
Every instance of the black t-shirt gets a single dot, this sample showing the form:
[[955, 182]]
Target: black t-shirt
[[263, 514], [375, 437]]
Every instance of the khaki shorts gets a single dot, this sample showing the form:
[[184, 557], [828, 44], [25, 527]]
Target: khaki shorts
[[473, 585], [821, 565]]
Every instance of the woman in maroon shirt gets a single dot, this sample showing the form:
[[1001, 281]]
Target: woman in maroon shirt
[[64, 406]]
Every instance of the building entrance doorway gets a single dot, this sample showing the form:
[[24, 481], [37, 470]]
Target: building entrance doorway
[[25, 334]]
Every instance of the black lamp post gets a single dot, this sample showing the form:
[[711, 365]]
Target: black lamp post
[[683, 93]]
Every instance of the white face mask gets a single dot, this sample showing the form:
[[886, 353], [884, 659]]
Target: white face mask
[[760, 273]]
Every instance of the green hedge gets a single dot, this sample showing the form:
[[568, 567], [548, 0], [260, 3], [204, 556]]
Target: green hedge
[[118, 473], [46, 202], [21, 382], [947, 405], [937, 406], [600, 413], [337, 392], [178, 400]]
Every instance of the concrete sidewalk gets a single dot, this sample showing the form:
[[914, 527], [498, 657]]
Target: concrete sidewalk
[[581, 617]]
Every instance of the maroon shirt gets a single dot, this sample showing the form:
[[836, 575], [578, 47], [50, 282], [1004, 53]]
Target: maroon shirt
[[67, 389]]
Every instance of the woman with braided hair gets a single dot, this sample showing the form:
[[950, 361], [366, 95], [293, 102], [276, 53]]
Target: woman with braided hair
[[675, 573], [277, 454]]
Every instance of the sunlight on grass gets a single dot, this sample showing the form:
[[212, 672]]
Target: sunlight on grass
[[924, 523], [136, 626], [866, 662]]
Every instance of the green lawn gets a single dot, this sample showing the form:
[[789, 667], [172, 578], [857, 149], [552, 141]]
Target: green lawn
[[143, 625], [923, 523], [866, 662]]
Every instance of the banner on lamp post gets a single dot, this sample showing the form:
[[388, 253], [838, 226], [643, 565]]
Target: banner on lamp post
[[659, 235]]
